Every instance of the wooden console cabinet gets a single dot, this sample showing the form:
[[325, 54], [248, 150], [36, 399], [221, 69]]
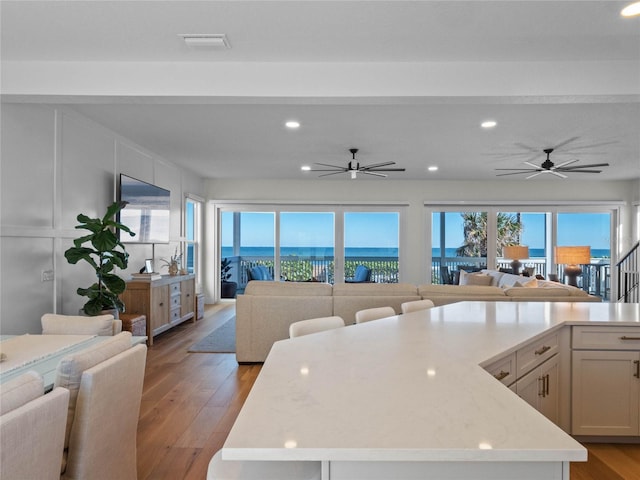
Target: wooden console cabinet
[[165, 302]]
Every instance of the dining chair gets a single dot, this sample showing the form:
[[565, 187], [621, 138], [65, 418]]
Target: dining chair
[[313, 325], [369, 314], [416, 305], [220, 469], [102, 444], [31, 429], [56, 324]]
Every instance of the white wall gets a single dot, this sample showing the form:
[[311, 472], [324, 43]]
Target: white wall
[[54, 165], [416, 194]]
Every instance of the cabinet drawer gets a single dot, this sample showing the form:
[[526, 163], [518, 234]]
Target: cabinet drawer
[[174, 315], [504, 369], [533, 354], [606, 338], [174, 288], [175, 301]]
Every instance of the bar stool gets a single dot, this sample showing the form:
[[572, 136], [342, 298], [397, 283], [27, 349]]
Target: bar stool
[[416, 305], [314, 325], [374, 314], [220, 469]]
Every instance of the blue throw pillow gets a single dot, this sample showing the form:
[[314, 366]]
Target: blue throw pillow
[[256, 273], [266, 274], [361, 274]]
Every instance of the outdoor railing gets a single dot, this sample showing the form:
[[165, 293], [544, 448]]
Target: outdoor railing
[[595, 278], [628, 270]]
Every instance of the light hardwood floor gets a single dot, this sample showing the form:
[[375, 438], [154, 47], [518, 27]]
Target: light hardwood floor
[[190, 401]]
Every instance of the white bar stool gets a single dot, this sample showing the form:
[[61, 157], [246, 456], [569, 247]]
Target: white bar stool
[[220, 469]]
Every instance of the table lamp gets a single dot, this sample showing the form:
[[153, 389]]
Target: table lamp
[[515, 253], [572, 258]]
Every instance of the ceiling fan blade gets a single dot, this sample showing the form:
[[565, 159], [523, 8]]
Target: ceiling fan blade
[[591, 165], [337, 167], [526, 147], [553, 172], [575, 170], [562, 144], [511, 173], [520, 169], [368, 172], [375, 165], [385, 170], [536, 174], [564, 163], [332, 173], [533, 165]]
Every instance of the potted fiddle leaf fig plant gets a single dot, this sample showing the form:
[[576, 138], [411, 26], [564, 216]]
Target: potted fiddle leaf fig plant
[[102, 249]]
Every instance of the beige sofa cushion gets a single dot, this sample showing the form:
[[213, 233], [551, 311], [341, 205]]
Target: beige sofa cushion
[[53, 324], [71, 367], [479, 279], [290, 289], [374, 289], [524, 292], [20, 390], [462, 291]]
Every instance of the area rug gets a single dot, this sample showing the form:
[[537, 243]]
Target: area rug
[[221, 340]]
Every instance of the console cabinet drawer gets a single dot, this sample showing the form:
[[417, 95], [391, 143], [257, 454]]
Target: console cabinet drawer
[[606, 338], [538, 351], [504, 369]]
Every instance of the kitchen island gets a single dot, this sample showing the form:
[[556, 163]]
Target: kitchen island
[[406, 398]]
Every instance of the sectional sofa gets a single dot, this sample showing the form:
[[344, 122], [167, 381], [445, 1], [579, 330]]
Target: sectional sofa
[[267, 308]]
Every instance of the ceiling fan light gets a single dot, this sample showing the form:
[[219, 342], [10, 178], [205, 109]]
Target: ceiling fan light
[[292, 124], [631, 10], [433, 168], [489, 124], [305, 168], [353, 174]]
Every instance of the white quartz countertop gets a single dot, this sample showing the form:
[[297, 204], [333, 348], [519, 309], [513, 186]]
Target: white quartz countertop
[[410, 388]]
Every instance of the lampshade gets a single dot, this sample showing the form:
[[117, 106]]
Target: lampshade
[[573, 255], [515, 252]]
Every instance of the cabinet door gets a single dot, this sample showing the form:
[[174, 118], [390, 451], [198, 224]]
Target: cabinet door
[[605, 392], [187, 303], [549, 402], [159, 307], [540, 388]]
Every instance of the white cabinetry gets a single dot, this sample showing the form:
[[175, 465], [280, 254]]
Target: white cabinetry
[[606, 381], [534, 372]]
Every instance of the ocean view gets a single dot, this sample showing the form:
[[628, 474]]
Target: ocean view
[[366, 252]]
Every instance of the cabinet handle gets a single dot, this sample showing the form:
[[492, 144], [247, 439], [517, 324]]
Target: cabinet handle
[[542, 350], [624, 337], [501, 375], [161, 304], [546, 381], [637, 364], [541, 391]]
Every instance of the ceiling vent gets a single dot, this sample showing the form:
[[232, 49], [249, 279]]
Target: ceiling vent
[[205, 40]]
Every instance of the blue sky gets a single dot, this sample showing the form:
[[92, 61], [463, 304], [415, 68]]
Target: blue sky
[[316, 229]]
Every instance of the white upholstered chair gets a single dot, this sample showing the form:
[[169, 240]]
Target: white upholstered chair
[[416, 305], [31, 429], [374, 314], [313, 325], [220, 469], [102, 443], [55, 324]]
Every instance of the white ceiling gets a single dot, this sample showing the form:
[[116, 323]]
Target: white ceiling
[[403, 81]]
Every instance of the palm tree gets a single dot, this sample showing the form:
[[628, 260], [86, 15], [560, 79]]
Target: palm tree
[[475, 233]]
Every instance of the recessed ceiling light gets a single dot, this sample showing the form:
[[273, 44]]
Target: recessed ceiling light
[[209, 40], [292, 124], [305, 168], [489, 124], [433, 168], [631, 10]]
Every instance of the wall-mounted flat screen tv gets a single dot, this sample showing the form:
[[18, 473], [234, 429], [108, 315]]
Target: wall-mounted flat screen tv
[[147, 213]]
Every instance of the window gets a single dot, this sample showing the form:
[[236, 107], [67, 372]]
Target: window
[[459, 242], [528, 229], [371, 239], [193, 237]]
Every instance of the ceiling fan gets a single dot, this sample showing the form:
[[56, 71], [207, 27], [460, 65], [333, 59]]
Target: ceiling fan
[[549, 167], [353, 168]]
